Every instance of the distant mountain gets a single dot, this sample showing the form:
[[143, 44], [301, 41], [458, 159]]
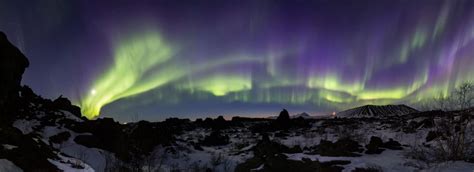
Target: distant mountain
[[368, 111], [303, 115]]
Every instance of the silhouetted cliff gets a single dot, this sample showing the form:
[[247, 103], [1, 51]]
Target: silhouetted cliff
[[12, 65]]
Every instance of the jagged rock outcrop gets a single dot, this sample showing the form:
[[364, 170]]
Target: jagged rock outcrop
[[12, 65], [284, 116], [283, 121], [63, 103]]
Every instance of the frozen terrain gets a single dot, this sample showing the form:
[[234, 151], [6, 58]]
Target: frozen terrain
[[402, 142]]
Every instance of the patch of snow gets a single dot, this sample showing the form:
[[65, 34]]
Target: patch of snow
[[26, 126], [258, 168], [70, 116], [456, 166], [49, 131], [92, 156], [9, 147], [66, 164], [6, 165], [388, 160]]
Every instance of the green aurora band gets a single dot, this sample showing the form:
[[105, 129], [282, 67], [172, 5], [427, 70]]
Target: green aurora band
[[144, 62], [349, 74]]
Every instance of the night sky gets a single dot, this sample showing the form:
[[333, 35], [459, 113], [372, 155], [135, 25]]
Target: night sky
[[197, 58]]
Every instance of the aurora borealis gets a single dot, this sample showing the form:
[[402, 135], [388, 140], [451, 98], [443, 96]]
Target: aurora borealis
[[203, 58]]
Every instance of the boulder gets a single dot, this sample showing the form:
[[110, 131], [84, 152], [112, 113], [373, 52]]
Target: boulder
[[283, 121], [342, 147], [215, 139], [374, 146], [90, 141], [393, 145], [196, 146], [284, 116], [60, 137], [432, 135]]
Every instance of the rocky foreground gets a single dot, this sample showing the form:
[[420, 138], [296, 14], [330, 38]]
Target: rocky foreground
[[52, 136]]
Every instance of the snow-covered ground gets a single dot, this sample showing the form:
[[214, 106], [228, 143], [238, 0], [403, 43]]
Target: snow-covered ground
[[186, 152], [71, 165], [8, 166]]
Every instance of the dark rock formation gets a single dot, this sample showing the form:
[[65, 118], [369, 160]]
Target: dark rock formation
[[128, 141], [377, 146], [215, 139], [268, 156], [284, 116], [283, 121], [392, 144], [63, 103], [219, 123], [281, 134], [374, 146], [196, 146], [30, 155], [106, 134], [300, 122], [267, 147], [60, 137], [248, 119], [368, 169], [90, 141], [215, 124], [27, 93], [432, 135], [12, 65], [342, 147]]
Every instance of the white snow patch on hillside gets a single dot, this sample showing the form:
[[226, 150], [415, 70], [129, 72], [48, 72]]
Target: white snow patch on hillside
[[6, 165], [92, 156], [66, 164], [70, 116], [457, 166], [9, 147], [26, 126]]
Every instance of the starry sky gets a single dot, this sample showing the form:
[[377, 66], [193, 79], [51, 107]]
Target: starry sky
[[197, 58]]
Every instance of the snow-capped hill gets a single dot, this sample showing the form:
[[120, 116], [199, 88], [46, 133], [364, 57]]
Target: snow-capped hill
[[303, 115], [369, 111]]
